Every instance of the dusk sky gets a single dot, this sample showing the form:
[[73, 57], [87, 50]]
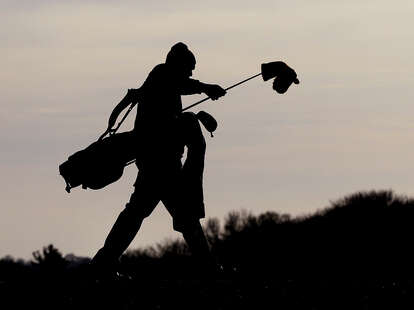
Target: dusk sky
[[348, 126]]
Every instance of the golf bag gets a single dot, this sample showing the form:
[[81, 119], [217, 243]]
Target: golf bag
[[101, 163]]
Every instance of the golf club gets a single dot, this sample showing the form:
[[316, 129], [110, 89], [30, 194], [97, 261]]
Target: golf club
[[284, 77]]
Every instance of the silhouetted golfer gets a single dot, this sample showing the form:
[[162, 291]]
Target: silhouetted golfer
[[161, 131]]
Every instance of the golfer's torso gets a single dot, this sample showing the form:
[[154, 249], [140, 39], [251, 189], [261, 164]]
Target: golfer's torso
[[156, 123]]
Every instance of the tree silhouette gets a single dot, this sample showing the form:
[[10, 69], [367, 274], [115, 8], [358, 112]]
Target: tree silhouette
[[49, 260]]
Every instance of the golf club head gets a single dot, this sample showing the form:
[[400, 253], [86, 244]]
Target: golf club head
[[272, 69], [208, 121], [283, 74], [282, 83]]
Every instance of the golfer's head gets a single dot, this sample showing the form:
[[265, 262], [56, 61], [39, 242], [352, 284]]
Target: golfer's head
[[181, 59]]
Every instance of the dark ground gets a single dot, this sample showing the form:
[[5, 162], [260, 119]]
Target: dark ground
[[216, 294]]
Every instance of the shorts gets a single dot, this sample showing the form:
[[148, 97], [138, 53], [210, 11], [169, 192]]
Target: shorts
[[151, 187]]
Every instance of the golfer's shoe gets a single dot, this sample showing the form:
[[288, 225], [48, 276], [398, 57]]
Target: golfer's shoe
[[111, 277], [100, 273]]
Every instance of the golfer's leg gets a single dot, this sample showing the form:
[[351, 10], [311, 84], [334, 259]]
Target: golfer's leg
[[186, 217], [196, 240], [193, 234], [140, 206]]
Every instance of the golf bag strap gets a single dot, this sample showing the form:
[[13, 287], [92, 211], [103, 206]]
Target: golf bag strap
[[113, 131], [131, 106]]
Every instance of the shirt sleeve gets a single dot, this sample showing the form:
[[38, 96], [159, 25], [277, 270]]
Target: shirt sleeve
[[190, 87]]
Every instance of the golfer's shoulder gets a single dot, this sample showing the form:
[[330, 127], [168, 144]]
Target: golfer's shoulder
[[159, 70], [157, 75]]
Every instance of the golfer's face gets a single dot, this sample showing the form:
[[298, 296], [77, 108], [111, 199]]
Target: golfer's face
[[187, 70]]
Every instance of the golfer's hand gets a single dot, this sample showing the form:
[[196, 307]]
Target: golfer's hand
[[214, 91]]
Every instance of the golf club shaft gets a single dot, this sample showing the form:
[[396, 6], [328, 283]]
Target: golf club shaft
[[230, 87]]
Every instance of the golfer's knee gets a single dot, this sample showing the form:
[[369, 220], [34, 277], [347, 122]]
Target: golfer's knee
[[191, 228]]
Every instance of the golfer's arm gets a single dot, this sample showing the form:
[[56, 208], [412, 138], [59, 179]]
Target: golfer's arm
[[191, 87]]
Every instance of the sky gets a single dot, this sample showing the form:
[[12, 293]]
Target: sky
[[65, 64]]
